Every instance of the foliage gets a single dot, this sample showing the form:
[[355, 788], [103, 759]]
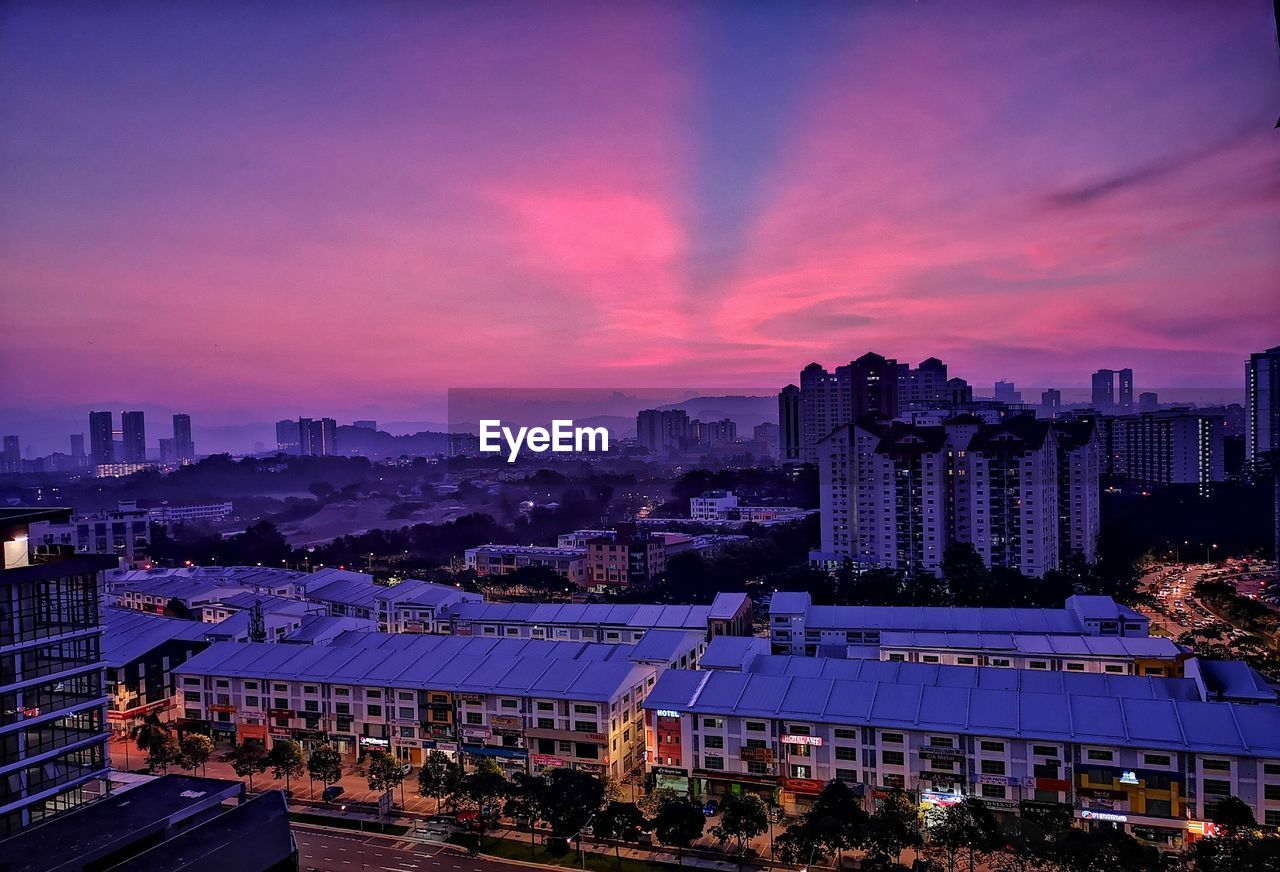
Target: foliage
[[619, 822], [325, 764], [248, 759], [384, 772], [968, 827], [742, 817], [893, 828], [439, 776], [678, 823], [195, 749], [286, 760]]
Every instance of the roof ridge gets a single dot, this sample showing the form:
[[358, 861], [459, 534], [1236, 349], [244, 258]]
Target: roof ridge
[[1235, 722]]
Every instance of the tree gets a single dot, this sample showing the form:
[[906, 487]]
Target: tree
[[1235, 845], [573, 796], [324, 765], [678, 823], [1104, 849], [528, 798], [257, 623], [893, 828], [195, 750], [286, 761], [162, 755], [248, 759], [838, 819], [483, 788], [742, 817], [386, 773], [149, 734], [619, 822], [968, 826], [438, 777], [801, 843]]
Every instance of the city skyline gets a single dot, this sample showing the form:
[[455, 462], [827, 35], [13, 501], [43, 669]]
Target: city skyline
[[355, 209]]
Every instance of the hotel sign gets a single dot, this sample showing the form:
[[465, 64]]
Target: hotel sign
[[802, 740]]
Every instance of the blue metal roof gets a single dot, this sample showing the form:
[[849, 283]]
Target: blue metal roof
[[129, 634]]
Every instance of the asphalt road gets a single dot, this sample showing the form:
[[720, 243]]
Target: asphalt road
[[338, 852]]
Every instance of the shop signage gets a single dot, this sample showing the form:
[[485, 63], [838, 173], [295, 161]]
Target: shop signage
[[1053, 784], [1090, 814], [280, 713], [756, 755], [374, 742], [1002, 780], [280, 731], [670, 770], [476, 732], [449, 747], [473, 697], [999, 804], [546, 760], [1129, 777], [505, 722], [802, 785], [224, 726], [802, 740], [227, 709], [667, 713], [940, 754], [942, 800]]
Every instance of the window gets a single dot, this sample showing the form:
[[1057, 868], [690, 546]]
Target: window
[[407, 713], [1156, 759], [373, 711], [546, 706], [475, 717], [941, 742], [756, 726], [891, 738], [510, 703], [1271, 768], [1075, 667], [892, 758], [847, 753], [993, 767], [546, 723], [847, 775], [994, 747], [1215, 765], [1271, 817], [1044, 750], [1095, 754], [964, 661], [1038, 664], [993, 791], [712, 761], [1271, 791], [846, 734], [1216, 787], [713, 741], [1113, 669], [712, 723], [894, 781]]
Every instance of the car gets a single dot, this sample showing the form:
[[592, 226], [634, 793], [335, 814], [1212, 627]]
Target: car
[[331, 793], [711, 807], [406, 769]]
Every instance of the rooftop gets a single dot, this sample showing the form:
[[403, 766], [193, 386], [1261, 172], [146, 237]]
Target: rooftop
[[130, 634], [252, 835]]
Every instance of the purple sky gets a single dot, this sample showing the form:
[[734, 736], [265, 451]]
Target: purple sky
[[327, 207]]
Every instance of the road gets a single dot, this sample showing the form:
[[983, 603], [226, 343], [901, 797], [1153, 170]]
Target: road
[[339, 852]]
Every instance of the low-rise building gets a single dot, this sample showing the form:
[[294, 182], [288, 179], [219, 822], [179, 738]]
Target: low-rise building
[[1148, 753], [122, 532], [569, 562], [627, 557], [193, 513], [139, 651], [526, 704], [797, 626]]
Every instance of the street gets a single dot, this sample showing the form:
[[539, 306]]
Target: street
[[328, 851]]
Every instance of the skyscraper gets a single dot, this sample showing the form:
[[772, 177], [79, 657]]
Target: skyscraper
[[100, 439], [134, 437], [12, 458], [183, 448], [1262, 403], [873, 382], [1126, 389], [1050, 402], [789, 424], [77, 450], [1007, 392], [660, 431], [54, 729], [1104, 390]]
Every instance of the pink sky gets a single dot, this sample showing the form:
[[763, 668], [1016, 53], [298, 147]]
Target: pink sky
[[314, 208]]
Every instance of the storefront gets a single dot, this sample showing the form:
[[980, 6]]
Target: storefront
[[672, 778], [798, 794], [1161, 832], [711, 785]]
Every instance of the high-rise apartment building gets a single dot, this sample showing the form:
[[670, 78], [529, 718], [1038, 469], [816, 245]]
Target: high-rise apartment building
[[1050, 402], [1148, 401], [866, 386], [1079, 469], [78, 457], [287, 436], [924, 387], [53, 726], [895, 495], [873, 385], [133, 425], [318, 437], [101, 441], [184, 449], [1262, 403], [1167, 447], [1007, 392], [661, 431]]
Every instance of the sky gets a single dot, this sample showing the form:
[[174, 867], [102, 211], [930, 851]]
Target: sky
[[336, 208]]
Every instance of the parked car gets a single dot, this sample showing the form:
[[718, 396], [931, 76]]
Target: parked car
[[711, 807], [406, 769], [331, 793]]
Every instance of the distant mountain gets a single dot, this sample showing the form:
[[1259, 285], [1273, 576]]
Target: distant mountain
[[745, 411]]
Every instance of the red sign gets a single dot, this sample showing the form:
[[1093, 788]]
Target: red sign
[[1053, 784], [802, 785]]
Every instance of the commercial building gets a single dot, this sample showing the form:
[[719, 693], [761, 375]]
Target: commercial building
[[1262, 403], [139, 651], [728, 615], [569, 563], [53, 701], [1111, 655], [1150, 754], [122, 532], [797, 626], [896, 495], [528, 705], [721, 505]]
